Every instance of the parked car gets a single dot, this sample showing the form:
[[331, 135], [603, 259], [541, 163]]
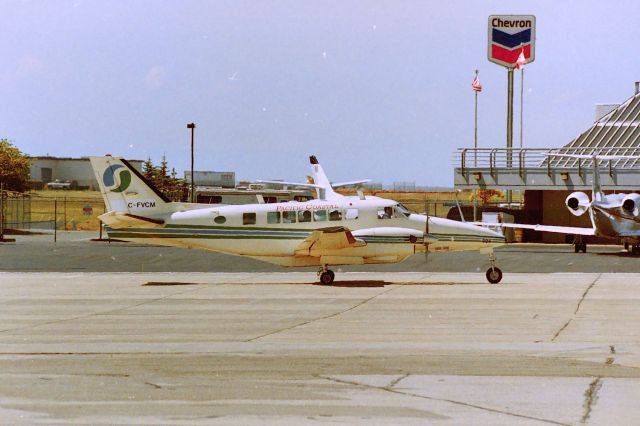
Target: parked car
[[58, 184]]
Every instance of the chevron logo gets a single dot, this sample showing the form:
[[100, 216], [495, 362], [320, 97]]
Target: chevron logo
[[508, 36]]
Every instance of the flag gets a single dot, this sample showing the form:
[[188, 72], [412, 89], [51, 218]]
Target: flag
[[522, 61], [476, 84]]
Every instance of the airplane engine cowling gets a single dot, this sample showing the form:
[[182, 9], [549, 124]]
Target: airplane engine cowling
[[631, 204], [577, 203]]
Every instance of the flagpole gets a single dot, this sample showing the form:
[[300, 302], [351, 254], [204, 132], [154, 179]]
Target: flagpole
[[475, 128], [475, 150]]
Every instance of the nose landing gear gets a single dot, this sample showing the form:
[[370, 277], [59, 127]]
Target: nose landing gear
[[494, 274]]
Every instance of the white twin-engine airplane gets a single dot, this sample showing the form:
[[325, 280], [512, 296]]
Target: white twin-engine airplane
[[614, 216], [330, 230]]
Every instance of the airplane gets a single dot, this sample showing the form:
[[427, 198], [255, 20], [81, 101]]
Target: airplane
[[613, 216], [330, 230]]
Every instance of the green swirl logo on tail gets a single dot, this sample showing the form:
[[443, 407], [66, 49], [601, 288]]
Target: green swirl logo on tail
[[121, 183]]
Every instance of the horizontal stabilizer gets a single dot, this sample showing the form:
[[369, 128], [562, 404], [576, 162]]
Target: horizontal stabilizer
[[120, 220]]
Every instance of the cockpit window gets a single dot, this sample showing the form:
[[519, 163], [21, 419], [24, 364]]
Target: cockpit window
[[401, 211]]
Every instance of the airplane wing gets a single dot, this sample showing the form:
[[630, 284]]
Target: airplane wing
[[280, 182], [351, 183], [325, 239], [542, 228], [119, 220]]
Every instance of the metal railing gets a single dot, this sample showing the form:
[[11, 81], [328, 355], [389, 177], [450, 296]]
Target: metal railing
[[466, 159]]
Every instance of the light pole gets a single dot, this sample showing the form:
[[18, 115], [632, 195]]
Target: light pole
[[192, 126]]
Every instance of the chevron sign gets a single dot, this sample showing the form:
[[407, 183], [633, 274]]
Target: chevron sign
[[508, 36]]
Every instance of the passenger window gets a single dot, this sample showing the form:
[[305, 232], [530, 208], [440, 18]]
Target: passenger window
[[304, 216], [288, 217], [273, 217], [320, 215], [270, 200], [220, 220], [335, 215], [351, 214], [248, 218]]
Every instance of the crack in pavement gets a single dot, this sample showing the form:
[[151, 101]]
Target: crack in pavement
[[109, 311], [396, 381], [591, 398], [335, 314], [451, 401], [582, 298]]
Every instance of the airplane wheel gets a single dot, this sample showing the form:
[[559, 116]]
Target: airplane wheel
[[580, 247], [327, 277], [494, 275]]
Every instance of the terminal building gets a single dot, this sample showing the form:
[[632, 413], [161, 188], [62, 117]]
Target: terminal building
[[546, 181]]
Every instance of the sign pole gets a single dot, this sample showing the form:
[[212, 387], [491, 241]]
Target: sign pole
[[521, 102], [509, 123]]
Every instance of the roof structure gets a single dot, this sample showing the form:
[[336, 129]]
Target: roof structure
[[616, 133]]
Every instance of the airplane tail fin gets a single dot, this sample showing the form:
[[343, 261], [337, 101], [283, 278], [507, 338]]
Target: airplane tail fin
[[320, 183], [325, 191], [596, 190], [124, 189]]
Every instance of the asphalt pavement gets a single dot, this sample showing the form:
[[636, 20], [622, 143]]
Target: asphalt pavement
[[77, 251]]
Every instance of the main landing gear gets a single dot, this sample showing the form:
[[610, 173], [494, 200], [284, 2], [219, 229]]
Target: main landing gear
[[579, 245], [494, 274], [326, 275], [634, 249]]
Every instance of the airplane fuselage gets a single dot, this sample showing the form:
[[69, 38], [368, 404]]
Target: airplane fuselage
[[386, 231], [611, 221]]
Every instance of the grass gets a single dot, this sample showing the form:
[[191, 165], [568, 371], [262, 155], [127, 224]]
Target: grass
[[72, 210]]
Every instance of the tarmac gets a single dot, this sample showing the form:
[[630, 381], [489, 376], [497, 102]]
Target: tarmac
[[244, 348]]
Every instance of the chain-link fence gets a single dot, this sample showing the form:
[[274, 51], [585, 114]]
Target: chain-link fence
[[29, 212]]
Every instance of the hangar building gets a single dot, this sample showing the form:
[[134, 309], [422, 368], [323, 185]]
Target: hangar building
[[48, 169], [546, 181]]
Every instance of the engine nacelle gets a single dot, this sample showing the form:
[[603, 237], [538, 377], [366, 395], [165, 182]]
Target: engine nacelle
[[578, 203], [631, 204]]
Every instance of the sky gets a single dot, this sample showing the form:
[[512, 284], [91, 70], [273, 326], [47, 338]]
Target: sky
[[375, 89]]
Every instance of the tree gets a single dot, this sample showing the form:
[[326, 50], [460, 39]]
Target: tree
[[174, 188], [485, 195], [14, 167]]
